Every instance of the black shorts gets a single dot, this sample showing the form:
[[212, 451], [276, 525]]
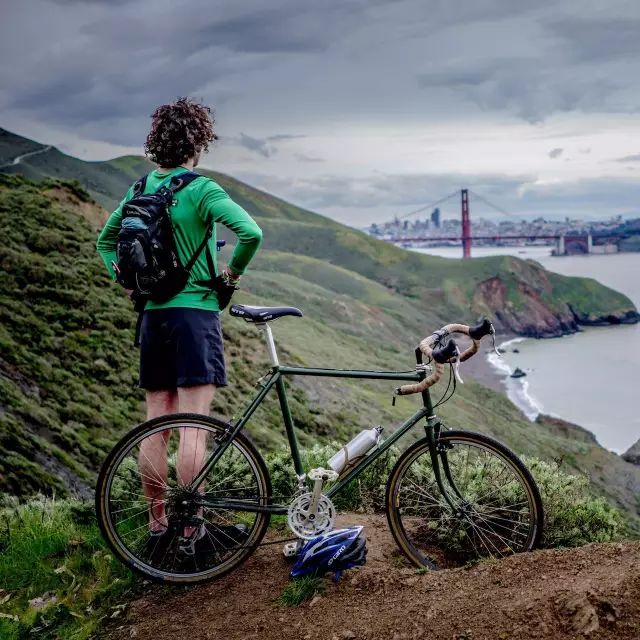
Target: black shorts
[[181, 347]]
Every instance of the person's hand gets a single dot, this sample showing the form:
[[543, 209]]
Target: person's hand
[[230, 275], [225, 286], [128, 292]]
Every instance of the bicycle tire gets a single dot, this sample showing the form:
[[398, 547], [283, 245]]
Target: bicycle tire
[[117, 454], [413, 453]]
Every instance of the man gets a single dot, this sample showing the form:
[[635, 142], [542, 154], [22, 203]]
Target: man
[[181, 350]]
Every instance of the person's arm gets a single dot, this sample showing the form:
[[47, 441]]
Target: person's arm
[[216, 206], [108, 238]]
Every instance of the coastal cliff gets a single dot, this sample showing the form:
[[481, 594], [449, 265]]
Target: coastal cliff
[[527, 300]]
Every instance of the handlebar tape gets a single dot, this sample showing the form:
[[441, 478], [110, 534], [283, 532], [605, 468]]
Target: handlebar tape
[[448, 352]]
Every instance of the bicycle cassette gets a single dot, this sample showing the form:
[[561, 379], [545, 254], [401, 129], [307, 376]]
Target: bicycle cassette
[[306, 525]]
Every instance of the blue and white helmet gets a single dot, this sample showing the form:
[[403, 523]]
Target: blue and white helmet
[[335, 551]]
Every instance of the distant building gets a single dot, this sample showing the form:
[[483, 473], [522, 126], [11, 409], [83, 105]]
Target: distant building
[[435, 217]]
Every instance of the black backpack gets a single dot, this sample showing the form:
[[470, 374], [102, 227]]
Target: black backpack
[[148, 262]]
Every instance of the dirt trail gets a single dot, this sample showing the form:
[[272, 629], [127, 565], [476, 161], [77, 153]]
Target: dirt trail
[[19, 159], [590, 592]]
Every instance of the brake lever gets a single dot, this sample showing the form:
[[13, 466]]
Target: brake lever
[[493, 340], [456, 367]]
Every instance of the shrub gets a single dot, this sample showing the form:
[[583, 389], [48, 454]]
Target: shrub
[[365, 493], [573, 516]]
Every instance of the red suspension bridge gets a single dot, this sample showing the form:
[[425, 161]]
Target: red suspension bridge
[[565, 243]]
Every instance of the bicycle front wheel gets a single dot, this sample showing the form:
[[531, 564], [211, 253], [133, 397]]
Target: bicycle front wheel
[[494, 507], [157, 524]]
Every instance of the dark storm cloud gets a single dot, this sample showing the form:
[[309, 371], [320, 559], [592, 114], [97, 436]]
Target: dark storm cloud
[[114, 107], [267, 31], [597, 40], [98, 70], [116, 67], [522, 86], [264, 146], [260, 146], [284, 29], [105, 74], [632, 158], [555, 153]]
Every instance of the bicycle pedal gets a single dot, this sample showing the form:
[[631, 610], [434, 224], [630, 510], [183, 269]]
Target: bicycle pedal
[[290, 549], [322, 474]]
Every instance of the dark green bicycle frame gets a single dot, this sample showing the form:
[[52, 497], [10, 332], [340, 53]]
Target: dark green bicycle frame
[[276, 379]]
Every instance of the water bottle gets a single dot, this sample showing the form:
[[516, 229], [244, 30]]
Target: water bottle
[[355, 448]]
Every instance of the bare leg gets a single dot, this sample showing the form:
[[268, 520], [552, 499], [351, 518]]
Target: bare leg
[[193, 442], [152, 458]]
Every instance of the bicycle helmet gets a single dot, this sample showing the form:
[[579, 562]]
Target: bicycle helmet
[[335, 551]]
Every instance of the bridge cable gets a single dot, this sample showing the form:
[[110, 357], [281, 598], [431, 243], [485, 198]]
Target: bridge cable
[[493, 206], [428, 206]]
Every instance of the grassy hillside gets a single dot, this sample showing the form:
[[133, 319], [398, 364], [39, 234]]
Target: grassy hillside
[[68, 367], [519, 295]]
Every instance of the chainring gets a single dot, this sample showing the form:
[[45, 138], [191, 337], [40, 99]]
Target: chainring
[[307, 526]]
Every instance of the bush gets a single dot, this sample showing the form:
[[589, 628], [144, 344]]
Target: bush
[[573, 516], [365, 493]]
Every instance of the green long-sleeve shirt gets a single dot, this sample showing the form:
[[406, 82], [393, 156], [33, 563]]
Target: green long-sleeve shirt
[[196, 206]]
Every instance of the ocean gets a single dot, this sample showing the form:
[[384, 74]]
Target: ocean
[[590, 378]]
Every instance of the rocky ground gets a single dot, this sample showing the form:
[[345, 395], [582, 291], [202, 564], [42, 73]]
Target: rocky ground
[[589, 592]]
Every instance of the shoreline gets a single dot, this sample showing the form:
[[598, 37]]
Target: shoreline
[[482, 371], [493, 372]]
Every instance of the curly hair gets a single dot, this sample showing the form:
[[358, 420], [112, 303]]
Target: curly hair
[[179, 131]]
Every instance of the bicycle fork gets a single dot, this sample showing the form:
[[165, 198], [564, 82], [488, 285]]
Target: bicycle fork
[[440, 463]]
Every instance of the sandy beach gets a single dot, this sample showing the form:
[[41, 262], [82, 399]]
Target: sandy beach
[[481, 370]]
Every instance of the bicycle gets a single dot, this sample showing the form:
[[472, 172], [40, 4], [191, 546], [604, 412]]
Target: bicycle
[[452, 494]]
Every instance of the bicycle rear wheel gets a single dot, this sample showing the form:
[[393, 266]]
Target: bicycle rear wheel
[[497, 509], [143, 485]]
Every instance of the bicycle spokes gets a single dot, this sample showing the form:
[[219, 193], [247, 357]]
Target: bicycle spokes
[[487, 510], [161, 520]]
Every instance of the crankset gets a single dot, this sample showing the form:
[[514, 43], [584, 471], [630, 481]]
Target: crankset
[[312, 513]]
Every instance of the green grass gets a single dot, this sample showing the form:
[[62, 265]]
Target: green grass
[[299, 590], [52, 551]]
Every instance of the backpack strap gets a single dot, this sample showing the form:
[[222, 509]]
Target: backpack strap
[[182, 180], [139, 186], [203, 245], [179, 182]]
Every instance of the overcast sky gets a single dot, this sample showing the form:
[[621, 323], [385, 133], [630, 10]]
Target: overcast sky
[[356, 109]]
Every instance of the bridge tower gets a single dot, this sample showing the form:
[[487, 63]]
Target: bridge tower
[[466, 224]]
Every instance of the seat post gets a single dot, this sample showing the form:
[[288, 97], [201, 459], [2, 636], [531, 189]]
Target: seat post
[[271, 345]]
